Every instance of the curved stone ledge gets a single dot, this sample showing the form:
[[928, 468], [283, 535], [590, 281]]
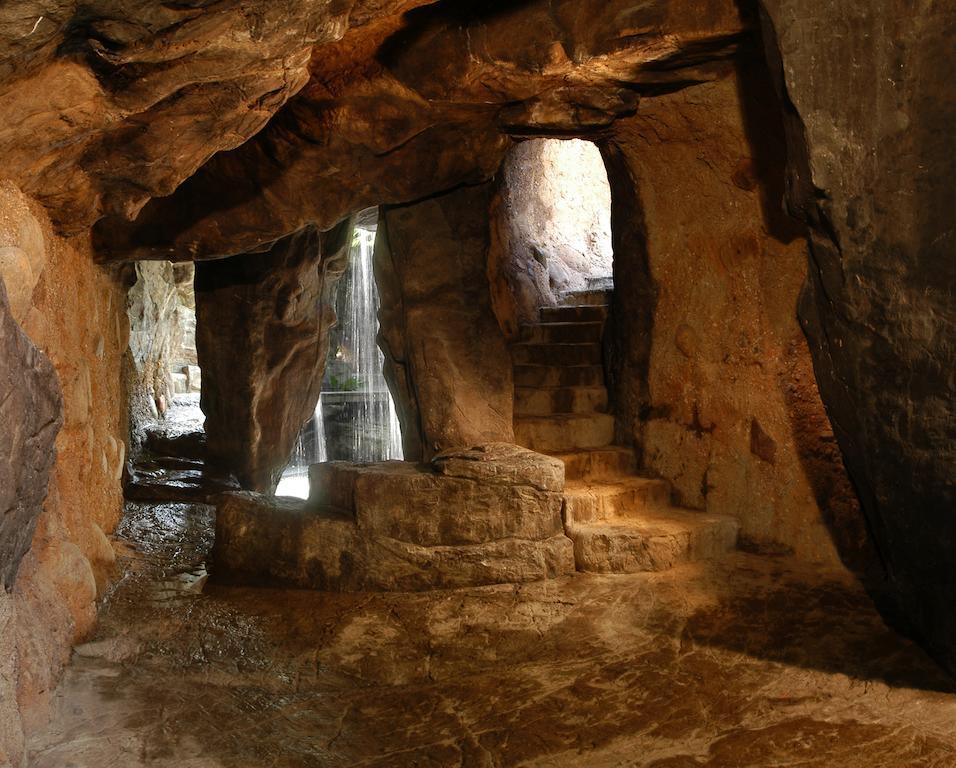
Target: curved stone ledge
[[478, 516]]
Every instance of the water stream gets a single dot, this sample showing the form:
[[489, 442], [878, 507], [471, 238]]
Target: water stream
[[355, 418]]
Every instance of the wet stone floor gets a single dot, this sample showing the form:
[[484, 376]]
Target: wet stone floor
[[750, 661]]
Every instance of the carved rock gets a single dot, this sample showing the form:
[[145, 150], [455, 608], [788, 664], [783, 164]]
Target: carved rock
[[446, 357], [262, 323], [487, 515]]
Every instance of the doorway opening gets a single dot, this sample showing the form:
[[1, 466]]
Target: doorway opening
[[164, 378], [551, 230], [355, 418]]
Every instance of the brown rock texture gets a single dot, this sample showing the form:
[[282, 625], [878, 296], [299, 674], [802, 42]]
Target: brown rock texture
[[198, 130], [743, 662], [708, 359], [446, 357], [871, 171], [31, 415], [73, 312], [262, 323], [411, 106], [485, 515], [107, 105]]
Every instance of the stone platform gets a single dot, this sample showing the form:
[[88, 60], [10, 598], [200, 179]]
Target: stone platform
[[485, 515]]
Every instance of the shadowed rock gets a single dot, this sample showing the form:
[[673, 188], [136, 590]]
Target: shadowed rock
[[31, 414]]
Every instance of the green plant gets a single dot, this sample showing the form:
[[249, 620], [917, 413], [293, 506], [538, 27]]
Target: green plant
[[351, 384]]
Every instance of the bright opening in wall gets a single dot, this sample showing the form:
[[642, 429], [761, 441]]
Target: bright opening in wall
[[164, 377], [355, 418], [554, 224]]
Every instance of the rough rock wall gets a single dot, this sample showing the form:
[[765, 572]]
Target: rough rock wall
[[74, 313], [730, 414], [872, 102], [446, 359], [262, 323], [107, 104], [551, 227], [415, 105]]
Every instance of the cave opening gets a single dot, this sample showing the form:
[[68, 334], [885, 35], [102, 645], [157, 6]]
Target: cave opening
[[163, 377], [355, 417], [551, 229]]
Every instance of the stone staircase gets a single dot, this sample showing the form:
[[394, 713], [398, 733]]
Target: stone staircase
[[619, 522]]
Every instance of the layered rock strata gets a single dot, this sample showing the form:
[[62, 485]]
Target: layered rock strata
[[487, 515]]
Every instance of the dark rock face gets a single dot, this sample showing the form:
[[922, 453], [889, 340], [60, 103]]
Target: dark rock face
[[873, 160], [31, 414], [446, 358], [262, 324]]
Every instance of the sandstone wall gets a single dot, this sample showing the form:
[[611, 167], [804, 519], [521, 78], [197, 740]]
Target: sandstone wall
[[74, 312], [716, 387], [446, 359]]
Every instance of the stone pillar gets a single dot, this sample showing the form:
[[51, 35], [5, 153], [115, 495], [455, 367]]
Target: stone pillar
[[447, 361], [262, 323]]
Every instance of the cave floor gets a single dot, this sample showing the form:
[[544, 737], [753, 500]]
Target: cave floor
[[748, 661]]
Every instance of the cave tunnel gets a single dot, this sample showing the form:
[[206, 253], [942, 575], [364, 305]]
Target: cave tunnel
[[504, 384]]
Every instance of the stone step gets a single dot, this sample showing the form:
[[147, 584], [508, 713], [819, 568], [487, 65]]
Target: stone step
[[557, 354], [562, 433], [655, 541], [558, 375], [608, 463], [545, 401], [590, 297], [573, 332], [625, 497], [601, 283], [573, 314]]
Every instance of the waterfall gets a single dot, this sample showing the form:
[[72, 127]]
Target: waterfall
[[355, 418], [375, 433]]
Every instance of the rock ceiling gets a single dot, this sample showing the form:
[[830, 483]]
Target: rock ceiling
[[197, 129]]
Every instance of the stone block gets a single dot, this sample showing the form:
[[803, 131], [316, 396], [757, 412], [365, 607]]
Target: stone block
[[265, 540], [481, 515]]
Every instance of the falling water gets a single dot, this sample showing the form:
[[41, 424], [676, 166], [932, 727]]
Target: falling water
[[362, 421], [375, 433]]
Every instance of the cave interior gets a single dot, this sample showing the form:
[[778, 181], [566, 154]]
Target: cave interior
[[477, 384]]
